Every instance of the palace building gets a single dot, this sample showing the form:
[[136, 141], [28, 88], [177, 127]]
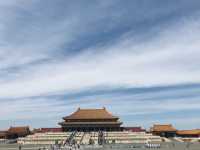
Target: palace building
[[91, 120], [15, 132], [195, 133], [164, 130]]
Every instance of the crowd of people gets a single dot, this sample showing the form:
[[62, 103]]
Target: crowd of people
[[56, 147], [59, 146]]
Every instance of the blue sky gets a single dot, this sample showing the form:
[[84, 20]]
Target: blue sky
[[138, 58]]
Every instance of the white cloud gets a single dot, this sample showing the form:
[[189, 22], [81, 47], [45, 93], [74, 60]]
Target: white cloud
[[170, 58], [31, 63]]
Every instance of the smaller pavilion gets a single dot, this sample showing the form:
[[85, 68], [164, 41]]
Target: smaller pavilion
[[195, 133], [166, 130]]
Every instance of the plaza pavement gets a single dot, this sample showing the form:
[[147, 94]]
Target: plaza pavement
[[164, 146]]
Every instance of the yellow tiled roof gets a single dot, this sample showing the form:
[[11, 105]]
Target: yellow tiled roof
[[189, 132], [91, 114], [165, 127]]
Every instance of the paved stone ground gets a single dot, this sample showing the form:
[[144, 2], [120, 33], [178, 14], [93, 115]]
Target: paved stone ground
[[24, 147], [164, 146]]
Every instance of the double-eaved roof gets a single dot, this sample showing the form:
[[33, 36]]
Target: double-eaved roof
[[90, 114], [163, 128]]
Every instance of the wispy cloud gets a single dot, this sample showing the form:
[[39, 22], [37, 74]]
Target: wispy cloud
[[127, 63], [63, 49]]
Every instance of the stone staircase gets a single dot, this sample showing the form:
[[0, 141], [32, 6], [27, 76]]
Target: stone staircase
[[86, 138], [71, 138], [101, 138]]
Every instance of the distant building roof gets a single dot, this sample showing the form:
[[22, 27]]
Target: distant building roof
[[163, 128], [91, 114], [43, 130], [19, 130], [189, 132], [50, 130], [134, 129], [3, 134]]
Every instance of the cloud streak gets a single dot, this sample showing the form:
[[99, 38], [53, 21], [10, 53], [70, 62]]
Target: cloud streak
[[118, 65], [49, 53]]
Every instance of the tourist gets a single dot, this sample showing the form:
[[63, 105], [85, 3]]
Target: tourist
[[20, 147]]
